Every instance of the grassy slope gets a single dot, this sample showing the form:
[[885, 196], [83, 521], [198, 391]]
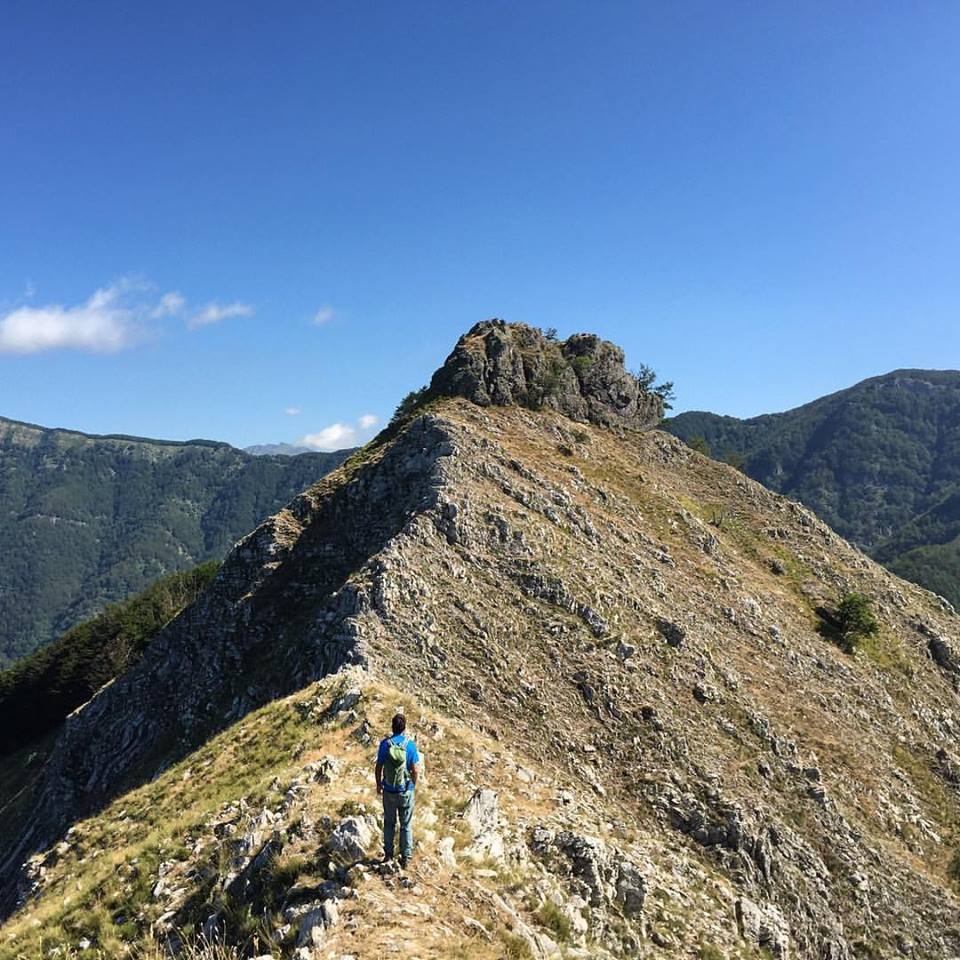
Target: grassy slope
[[879, 462], [100, 888]]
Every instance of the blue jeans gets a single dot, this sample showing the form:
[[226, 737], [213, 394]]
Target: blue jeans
[[398, 806]]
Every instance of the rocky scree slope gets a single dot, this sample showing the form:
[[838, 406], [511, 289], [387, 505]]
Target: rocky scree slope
[[92, 520], [613, 610], [880, 462]]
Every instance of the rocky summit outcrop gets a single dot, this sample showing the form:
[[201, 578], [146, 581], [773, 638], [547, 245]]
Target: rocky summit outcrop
[[583, 377], [637, 742]]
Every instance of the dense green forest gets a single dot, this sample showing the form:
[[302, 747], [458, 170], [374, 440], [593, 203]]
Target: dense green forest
[[879, 462], [89, 521], [41, 689]]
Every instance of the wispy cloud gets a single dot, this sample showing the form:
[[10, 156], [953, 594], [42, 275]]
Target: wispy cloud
[[292, 411], [214, 313], [110, 320], [322, 316], [170, 304], [340, 435], [113, 318]]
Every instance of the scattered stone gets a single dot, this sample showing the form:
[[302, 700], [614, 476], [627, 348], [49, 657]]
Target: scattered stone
[[352, 838], [314, 926], [671, 632], [703, 693], [324, 770], [626, 650]]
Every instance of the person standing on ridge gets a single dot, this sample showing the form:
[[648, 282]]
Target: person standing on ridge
[[396, 774]]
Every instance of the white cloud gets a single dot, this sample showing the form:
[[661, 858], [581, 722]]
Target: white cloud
[[110, 320], [170, 304], [115, 317], [322, 316], [292, 411], [335, 437], [213, 313]]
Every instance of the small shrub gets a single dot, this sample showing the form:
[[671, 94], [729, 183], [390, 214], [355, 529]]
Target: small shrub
[[555, 920], [849, 623], [700, 445], [953, 868], [550, 334], [646, 378], [736, 460], [707, 951], [352, 808], [515, 948], [408, 404], [582, 364]]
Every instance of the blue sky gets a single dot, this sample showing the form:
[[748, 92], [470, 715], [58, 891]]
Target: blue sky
[[762, 201]]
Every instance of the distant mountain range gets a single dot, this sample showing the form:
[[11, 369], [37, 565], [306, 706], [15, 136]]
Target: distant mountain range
[[276, 450], [879, 462], [90, 520]]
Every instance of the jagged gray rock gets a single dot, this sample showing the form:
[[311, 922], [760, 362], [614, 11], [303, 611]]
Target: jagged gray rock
[[352, 838], [582, 377]]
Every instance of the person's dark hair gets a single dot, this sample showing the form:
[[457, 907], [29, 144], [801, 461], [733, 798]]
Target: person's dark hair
[[399, 723]]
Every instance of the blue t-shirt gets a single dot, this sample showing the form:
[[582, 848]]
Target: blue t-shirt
[[412, 757]]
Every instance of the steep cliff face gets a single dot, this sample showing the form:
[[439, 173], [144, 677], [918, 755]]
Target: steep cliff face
[[629, 623]]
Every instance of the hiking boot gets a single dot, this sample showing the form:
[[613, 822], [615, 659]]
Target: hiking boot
[[404, 862]]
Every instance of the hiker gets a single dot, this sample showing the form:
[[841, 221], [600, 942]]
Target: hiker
[[396, 772]]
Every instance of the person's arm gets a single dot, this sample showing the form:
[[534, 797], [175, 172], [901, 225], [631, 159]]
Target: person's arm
[[378, 769], [414, 765]]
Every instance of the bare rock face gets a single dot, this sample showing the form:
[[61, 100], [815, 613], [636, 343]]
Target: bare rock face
[[584, 377]]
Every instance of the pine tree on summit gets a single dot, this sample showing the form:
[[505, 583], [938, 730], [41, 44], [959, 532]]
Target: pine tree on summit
[[396, 773]]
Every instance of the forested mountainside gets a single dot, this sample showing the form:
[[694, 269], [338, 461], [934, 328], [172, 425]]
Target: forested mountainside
[[640, 738], [42, 688], [879, 462], [90, 520]]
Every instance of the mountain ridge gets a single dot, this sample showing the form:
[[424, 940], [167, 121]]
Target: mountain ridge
[[910, 373], [10, 422], [92, 519], [875, 460], [509, 570]]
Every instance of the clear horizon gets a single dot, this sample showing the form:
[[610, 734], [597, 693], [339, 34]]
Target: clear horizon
[[258, 229]]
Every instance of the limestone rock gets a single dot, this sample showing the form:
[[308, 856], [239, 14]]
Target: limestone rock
[[764, 927], [583, 378], [352, 838]]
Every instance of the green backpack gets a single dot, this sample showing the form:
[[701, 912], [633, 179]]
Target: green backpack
[[395, 772]]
